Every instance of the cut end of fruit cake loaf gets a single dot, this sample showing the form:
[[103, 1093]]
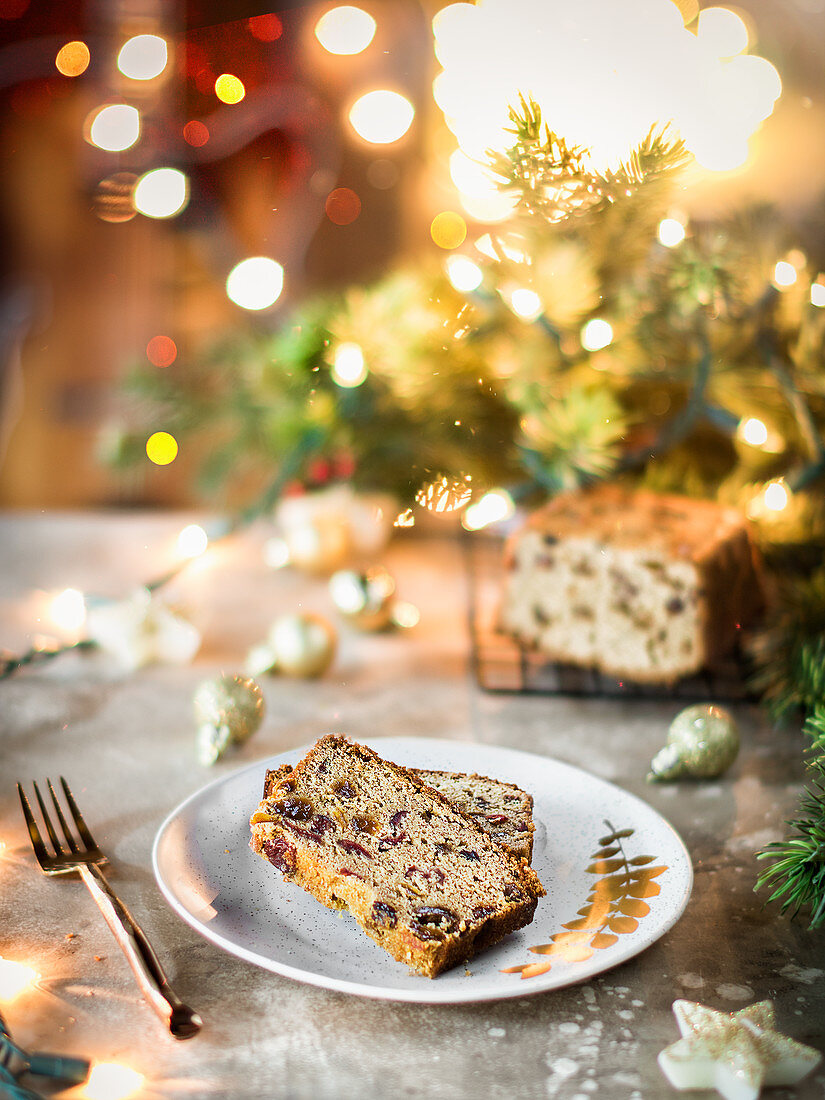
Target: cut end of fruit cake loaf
[[419, 876], [634, 584], [502, 810]]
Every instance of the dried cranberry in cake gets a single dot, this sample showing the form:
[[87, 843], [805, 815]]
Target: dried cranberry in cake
[[410, 885], [281, 855]]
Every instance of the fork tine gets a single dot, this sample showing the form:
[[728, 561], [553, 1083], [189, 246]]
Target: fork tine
[[64, 825], [82, 827], [34, 833], [53, 837]]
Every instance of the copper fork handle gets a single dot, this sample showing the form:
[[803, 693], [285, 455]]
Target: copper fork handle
[[181, 1020]]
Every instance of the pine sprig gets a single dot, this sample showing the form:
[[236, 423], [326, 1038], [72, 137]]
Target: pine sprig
[[798, 868], [555, 180]]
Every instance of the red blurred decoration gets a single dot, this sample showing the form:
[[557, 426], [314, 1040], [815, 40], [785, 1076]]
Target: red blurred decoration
[[266, 28], [342, 206], [195, 133], [161, 351]]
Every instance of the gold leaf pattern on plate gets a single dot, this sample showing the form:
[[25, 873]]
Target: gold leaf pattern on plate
[[613, 908]]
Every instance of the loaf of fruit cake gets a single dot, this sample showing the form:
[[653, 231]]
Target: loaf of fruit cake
[[635, 584], [502, 810], [419, 876]]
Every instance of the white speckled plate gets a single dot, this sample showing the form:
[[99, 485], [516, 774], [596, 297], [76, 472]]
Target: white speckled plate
[[617, 878]]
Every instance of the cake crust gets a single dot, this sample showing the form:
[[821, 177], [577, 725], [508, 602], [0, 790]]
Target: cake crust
[[419, 876]]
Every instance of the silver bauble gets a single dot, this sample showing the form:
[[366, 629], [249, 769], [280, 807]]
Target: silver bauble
[[702, 741]]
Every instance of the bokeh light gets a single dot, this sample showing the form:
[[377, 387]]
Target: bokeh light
[[195, 133], [161, 448], [776, 496], [266, 28], [192, 541], [255, 283], [617, 70], [342, 206], [752, 431], [596, 334], [161, 351], [348, 366], [161, 193], [111, 1081], [671, 232], [345, 30], [464, 275], [73, 59], [525, 303], [721, 32], [143, 57], [68, 610], [448, 229], [229, 89], [818, 295], [381, 117], [784, 275], [114, 127], [493, 507]]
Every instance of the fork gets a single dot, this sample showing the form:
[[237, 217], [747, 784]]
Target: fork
[[86, 858]]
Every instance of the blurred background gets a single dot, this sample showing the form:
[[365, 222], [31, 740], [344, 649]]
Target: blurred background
[[171, 169]]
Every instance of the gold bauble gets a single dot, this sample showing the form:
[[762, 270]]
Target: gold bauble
[[364, 598], [302, 644]]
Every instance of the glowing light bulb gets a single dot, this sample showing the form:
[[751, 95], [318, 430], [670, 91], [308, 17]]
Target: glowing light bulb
[[752, 431], [464, 275], [345, 30], [114, 128], [818, 294], [784, 275], [493, 507], [192, 541], [776, 496], [229, 89], [111, 1081], [448, 229], [15, 977], [255, 283], [525, 303], [161, 448], [671, 232], [68, 610], [143, 57], [161, 193], [596, 334], [381, 117], [73, 59], [349, 369]]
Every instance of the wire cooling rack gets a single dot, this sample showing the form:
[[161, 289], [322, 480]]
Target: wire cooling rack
[[500, 664]]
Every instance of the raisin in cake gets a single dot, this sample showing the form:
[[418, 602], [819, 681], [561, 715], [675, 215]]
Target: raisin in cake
[[636, 585], [419, 876], [502, 810]]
